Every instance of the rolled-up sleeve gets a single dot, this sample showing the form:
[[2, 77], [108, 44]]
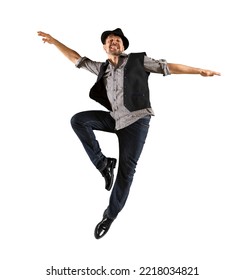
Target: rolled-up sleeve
[[88, 64], [80, 61], [159, 66]]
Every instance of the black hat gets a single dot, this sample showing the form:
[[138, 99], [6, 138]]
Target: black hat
[[117, 32]]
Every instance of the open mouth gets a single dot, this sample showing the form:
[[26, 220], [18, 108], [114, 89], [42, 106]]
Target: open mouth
[[113, 47]]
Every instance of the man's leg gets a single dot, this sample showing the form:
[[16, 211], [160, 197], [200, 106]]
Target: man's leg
[[131, 142], [84, 124]]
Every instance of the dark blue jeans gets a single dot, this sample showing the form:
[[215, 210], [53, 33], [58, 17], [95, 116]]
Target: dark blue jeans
[[131, 141]]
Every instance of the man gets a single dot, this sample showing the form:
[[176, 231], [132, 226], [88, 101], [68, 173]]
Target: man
[[122, 87]]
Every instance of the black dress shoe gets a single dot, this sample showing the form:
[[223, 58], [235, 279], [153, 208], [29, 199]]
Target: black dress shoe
[[103, 227], [108, 173]]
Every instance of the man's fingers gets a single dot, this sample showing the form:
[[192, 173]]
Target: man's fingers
[[40, 33], [208, 73], [43, 34], [46, 37], [212, 73]]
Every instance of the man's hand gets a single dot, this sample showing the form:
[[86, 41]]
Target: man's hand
[[69, 53], [46, 37], [208, 73]]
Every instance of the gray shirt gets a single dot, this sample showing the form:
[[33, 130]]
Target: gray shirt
[[113, 80]]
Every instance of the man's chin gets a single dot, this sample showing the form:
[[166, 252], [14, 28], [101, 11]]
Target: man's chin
[[116, 53]]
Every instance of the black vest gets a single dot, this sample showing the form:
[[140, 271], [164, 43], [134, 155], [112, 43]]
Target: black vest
[[136, 91]]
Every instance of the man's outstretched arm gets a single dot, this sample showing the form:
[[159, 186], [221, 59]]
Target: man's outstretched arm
[[184, 69], [69, 53]]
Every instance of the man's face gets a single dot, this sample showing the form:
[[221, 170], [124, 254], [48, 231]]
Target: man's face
[[113, 45]]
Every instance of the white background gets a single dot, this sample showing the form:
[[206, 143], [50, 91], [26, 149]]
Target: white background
[[186, 204]]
